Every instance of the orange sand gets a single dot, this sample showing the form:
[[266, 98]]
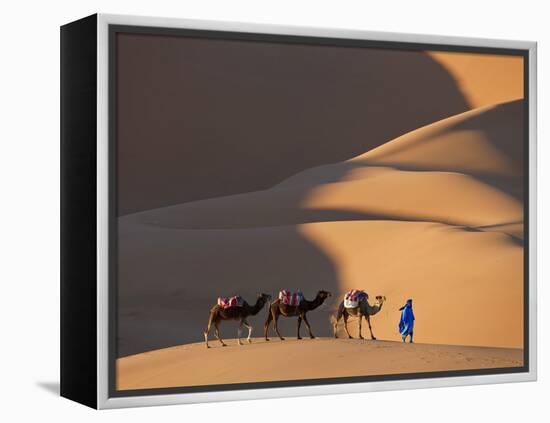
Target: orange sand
[[484, 79], [192, 364], [424, 216], [435, 214]]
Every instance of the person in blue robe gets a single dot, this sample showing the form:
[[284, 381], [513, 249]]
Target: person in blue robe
[[406, 324]]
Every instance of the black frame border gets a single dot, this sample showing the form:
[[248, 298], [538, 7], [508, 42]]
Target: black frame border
[[114, 29], [78, 211]]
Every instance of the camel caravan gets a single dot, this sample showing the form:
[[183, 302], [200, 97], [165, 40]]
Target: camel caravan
[[290, 304]]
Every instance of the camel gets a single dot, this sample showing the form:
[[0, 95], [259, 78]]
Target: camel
[[241, 313], [278, 309], [363, 309]]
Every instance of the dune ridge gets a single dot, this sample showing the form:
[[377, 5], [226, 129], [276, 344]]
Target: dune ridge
[[444, 197], [435, 173], [486, 140], [435, 215], [484, 79], [295, 360], [190, 110]]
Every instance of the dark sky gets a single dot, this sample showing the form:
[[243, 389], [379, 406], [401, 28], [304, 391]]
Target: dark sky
[[201, 118]]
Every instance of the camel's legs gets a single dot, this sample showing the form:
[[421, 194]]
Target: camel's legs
[[217, 333], [337, 318], [206, 336], [370, 328], [360, 326], [249, 327], [239, 329], [299, 324], [276, 323], [207, 331], [308, 326], [267, 322], [346, 325]]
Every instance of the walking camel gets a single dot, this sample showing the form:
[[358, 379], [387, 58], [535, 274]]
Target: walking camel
[[278, 309], [362, 309], [241, 313]]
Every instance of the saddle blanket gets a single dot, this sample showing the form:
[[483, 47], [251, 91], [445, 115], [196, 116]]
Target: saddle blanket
[[354, 297], [227, 302], [291, 298]]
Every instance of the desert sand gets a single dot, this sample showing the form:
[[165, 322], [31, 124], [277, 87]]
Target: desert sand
[[435, 173], [193, 365], [412, 187], [483, 79], [220, 117], [435, 215]]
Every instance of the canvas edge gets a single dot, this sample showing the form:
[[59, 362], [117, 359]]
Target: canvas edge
[[103, 399], [533, 187], [77, 319]]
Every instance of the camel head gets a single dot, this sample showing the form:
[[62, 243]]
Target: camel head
[[264, 298], [380, 300], [374, 309], [323, 295]]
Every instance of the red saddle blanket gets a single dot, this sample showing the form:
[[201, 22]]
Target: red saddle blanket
[[227, 302], [291, 298], [354, 297]]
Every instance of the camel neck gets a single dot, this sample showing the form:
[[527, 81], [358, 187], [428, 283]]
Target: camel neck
[[256, 307], [316, 302], [373, 309]]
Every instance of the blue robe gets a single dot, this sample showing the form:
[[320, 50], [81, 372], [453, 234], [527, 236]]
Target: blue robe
[[406, 324]]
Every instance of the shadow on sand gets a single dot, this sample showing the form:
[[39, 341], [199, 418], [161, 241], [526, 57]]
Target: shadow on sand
[[338, 103], [220, 117]]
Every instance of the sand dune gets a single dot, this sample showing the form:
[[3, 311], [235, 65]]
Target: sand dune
[[435, 215], [404, 179], [467, 285], [192, 365], [487, 140], [445, 197], [464, 170], [486, 143], [268, 100], [484, 79]]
